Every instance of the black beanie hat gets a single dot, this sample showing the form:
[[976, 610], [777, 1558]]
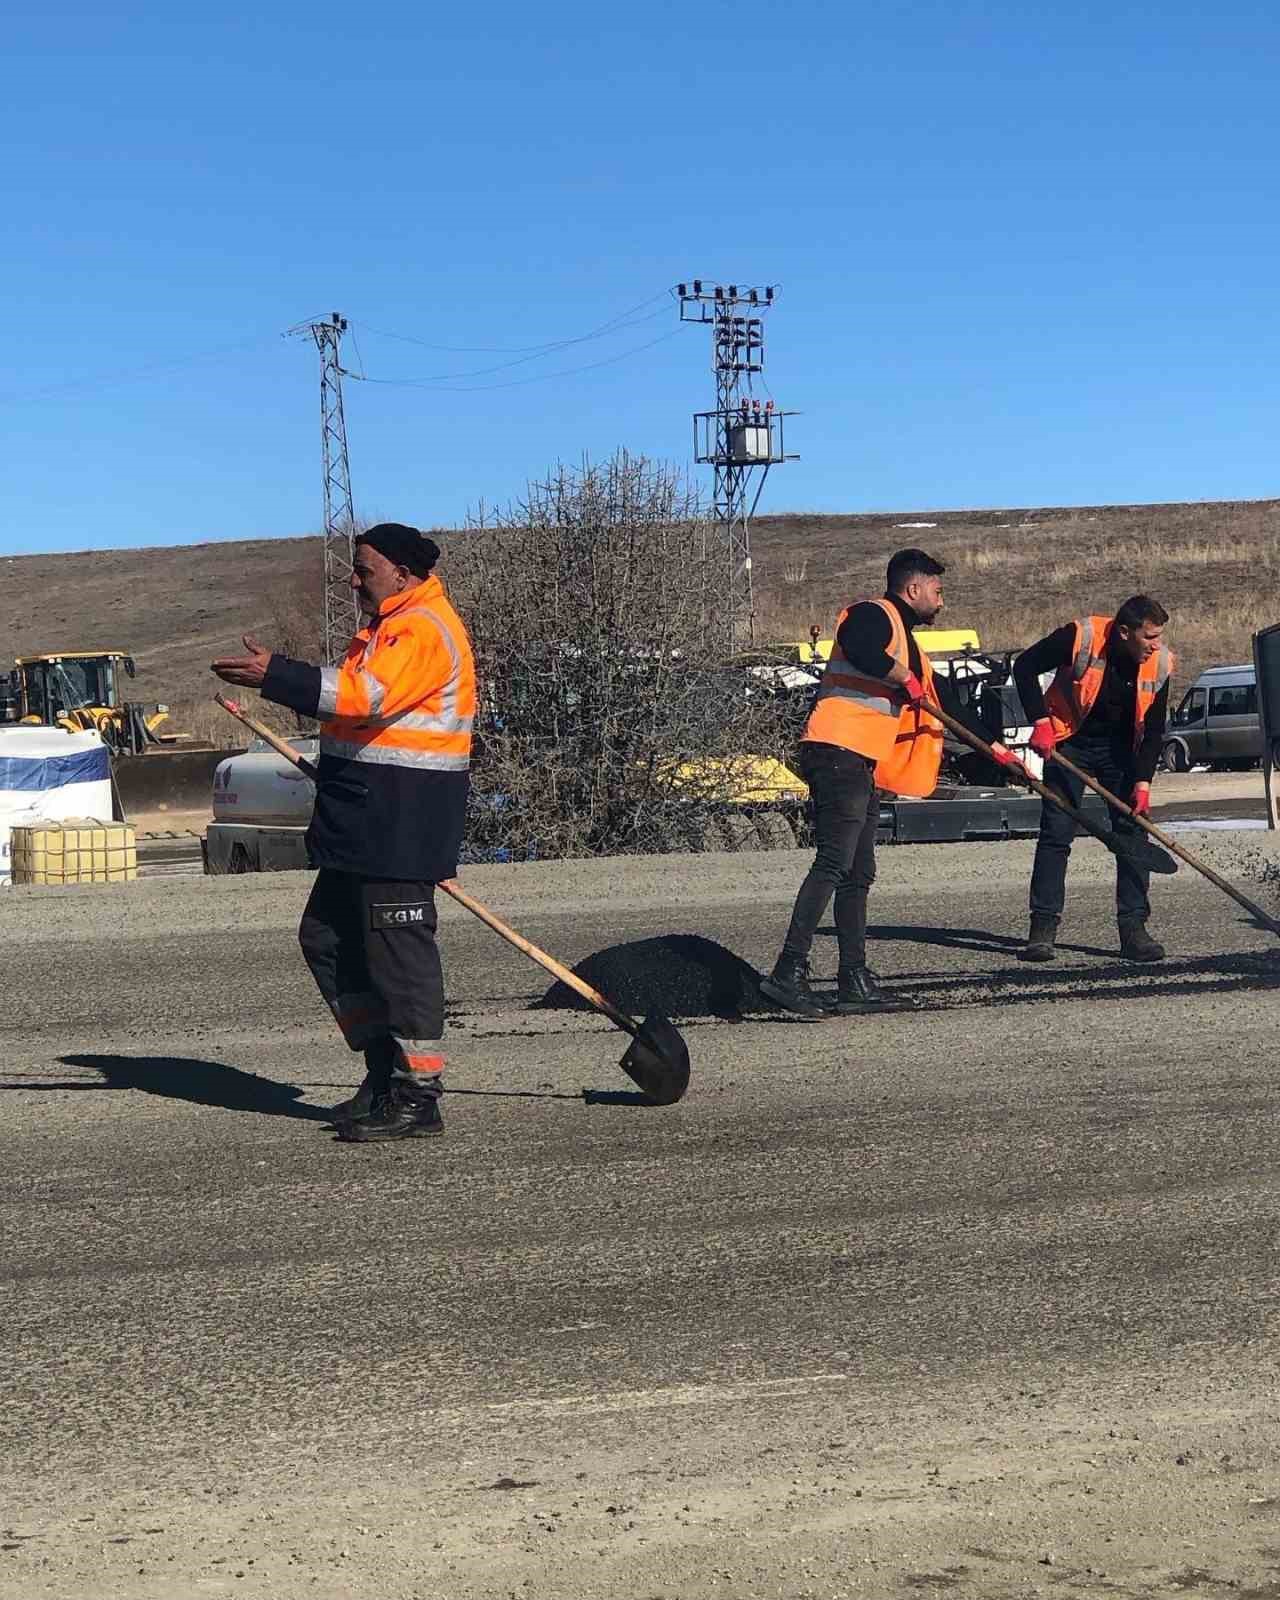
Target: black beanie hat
[[403, 546]]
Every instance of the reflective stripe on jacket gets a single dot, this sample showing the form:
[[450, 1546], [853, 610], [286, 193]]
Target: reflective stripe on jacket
[[406, 694], [867, 715], [1075, 687]]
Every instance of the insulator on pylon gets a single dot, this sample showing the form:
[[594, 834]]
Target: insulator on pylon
[[680, 290], [697, 286]]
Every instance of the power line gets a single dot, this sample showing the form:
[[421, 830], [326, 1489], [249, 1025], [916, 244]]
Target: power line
[[516, 383], [526, 349], [107, 380]]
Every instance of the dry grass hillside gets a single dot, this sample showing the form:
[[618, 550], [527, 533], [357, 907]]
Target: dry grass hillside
[[1012, 574]]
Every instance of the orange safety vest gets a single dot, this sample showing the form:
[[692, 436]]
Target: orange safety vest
[[1075, 687], [405, 695], [867, 715]]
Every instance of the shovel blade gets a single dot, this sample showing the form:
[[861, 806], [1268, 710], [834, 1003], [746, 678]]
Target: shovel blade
[[657, 1060], [1144, 855]]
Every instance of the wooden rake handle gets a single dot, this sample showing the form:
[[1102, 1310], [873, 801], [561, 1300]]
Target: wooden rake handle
[[1171, 845], [450, 886]]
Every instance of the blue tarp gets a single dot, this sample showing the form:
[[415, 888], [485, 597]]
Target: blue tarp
[[54, 772]]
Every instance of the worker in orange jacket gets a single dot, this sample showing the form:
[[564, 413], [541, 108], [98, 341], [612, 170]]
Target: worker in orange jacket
[[1106, 707], [395, 748], [868, 730]]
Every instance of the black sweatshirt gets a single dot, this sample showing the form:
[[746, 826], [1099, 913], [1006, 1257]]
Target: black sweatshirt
[[865, 635], [1110, 719]]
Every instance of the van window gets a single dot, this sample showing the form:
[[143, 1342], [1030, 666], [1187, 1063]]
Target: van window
[[1191, 709], [1234, 700]]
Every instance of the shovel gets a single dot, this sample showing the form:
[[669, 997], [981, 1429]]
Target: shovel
[[1170, 844], [1137, 852], [656, 1060]]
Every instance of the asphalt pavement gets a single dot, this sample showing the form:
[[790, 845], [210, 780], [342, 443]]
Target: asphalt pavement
[[874, 1309]]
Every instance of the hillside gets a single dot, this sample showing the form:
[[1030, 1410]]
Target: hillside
[[1012, 574]]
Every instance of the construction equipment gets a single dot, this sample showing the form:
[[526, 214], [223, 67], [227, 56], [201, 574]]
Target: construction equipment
[[657, 1059], [80, 690], [1178, 850], [1139, 854]]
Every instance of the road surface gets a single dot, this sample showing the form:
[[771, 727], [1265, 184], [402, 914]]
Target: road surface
[[980, 1300]]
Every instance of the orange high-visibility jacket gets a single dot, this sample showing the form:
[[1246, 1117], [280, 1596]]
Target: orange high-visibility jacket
[[405, 695], [395, 747], [867, 715], [1075, 687]]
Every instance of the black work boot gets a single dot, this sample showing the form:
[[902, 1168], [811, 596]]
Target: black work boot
[[1136, 944], [788, 986], [404, 1110], [858, 992], [1041, 940], [377, 1076]]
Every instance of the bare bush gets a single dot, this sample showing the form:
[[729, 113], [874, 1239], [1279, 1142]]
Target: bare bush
[[609, 722]]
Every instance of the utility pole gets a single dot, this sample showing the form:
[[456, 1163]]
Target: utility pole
[[341, 613], [740, 439]]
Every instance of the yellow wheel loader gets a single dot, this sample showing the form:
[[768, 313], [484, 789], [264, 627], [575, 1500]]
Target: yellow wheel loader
[[80, 690]]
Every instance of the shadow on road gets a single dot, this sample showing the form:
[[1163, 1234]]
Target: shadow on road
[[1113, 980], [963, 939], [203, 1083]]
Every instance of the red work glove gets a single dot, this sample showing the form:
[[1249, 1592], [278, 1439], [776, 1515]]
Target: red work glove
[[913, 689], [1006, 757], [1043, 738], [1140, 799]]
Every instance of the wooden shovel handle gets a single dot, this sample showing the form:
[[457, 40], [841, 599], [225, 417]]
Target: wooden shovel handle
[[452, 889], [1042, 789], [1169, 844], [264, 733], [549, 963]]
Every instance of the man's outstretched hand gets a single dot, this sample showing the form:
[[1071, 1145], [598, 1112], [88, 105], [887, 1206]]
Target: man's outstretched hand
[[248, 670]]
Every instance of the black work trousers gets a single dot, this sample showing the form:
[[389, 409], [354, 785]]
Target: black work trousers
[[1112, 765], [371, 947], [846, 811]]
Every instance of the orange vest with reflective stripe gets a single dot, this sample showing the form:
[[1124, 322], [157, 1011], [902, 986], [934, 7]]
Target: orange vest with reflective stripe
[[867, 715], [405, 696], [1075, 687]]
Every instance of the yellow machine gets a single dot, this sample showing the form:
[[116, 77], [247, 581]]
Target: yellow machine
[[80, 690], [933, 641]]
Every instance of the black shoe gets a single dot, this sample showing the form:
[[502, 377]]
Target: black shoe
[[788, 986], [1136, 944], [399, 1113], [377, 1077], [858, 992], [1041, 940]]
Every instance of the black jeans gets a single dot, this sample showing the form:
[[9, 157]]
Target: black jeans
[[846, 810], [1113, 768], [371, 947]]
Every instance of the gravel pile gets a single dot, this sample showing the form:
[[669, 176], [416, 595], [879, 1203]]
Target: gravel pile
[[679, 974]]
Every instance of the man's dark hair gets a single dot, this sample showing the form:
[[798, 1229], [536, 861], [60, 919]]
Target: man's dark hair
[[908, 564], [1140, 608]]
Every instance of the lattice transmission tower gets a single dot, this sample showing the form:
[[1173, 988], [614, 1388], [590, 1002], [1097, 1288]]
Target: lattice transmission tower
[[341, 613], [742, 438]]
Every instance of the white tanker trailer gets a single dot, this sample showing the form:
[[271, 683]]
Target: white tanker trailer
[[261, 808]]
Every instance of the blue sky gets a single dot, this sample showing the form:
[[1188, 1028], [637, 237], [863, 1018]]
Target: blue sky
[[1027, 255]]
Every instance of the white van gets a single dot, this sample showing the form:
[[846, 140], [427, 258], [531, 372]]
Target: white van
[[1216, 722]]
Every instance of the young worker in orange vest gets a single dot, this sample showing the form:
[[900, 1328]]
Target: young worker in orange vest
[[1106, 708], [867, 730], [395, 752]]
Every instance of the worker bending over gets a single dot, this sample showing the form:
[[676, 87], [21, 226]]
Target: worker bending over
[[395, 749], [1106, 710], [867, 730]]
